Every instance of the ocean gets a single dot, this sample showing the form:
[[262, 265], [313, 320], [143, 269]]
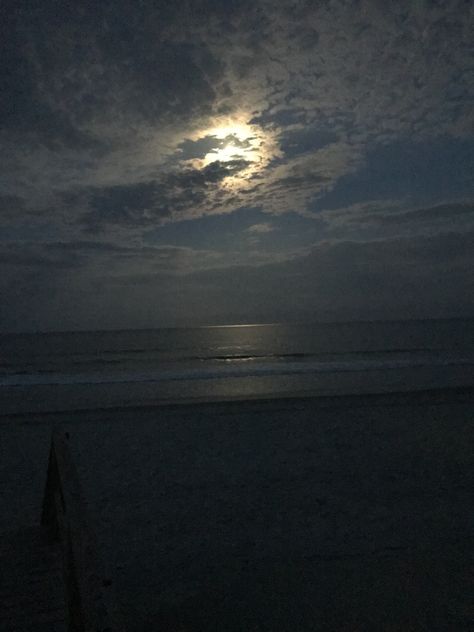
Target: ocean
[[47, 372]]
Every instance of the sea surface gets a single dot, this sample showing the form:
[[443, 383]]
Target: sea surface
[[99, 369]]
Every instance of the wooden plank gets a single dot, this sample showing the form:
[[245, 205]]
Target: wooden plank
[[90, 593]]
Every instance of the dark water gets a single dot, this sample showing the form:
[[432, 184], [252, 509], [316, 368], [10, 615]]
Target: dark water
[[56, 371]]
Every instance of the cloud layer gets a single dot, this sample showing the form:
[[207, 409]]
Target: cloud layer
[[340, 125]]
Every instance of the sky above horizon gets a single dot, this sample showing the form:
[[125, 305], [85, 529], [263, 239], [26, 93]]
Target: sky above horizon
[[230, 161]]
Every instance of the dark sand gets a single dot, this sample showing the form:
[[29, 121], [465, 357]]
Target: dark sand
[[350, 513]]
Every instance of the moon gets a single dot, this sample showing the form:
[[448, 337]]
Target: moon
[[234, 142], [245, 147], [231, 151]]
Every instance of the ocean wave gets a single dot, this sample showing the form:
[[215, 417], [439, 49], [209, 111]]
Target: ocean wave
[[226, 372], [49, 364]]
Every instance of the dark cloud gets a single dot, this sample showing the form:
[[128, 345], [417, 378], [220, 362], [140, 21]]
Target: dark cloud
[[37, 256], [280, 118], [145, 203], [304, 140], [389, 278], [377, 220], [214, 172], [190, 149], [442, 212], [401, 254], [124, 204], [11, 205], [33, 47], [445, 213], [67, 68], [56, 255], [99, 258]]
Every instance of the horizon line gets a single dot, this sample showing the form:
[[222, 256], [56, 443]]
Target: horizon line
[[238, 325]]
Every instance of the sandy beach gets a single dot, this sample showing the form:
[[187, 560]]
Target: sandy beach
[[349, 513]]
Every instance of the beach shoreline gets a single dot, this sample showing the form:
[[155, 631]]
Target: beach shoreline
[[34, 406]]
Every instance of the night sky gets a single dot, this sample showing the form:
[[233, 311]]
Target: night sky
[[211, 162]]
